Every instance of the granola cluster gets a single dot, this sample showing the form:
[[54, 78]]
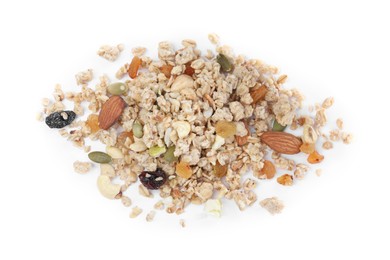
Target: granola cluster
[[199, 120]]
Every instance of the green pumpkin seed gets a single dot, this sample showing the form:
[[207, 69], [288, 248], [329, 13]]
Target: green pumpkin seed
[[169, 154], [226, 65], [156, 151], [117, 88], [278, 127], [99, 157], [137, 129]]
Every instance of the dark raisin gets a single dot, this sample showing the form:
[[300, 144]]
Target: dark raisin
[[60, 119], [153, 180]]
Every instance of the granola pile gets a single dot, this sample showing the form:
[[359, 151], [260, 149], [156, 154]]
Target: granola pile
[[191, 126]]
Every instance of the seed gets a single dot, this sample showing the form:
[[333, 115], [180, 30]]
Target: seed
[[220, 170], [156, 151], [278, 127], [225, 129], [286, 180], [315, 157], [117, 88], [137, 129], [60, 119], [169, 154], [99, 157], [93, 123], [268, 169], [134, 66], [226, 65], [183, 169], [153, 180]]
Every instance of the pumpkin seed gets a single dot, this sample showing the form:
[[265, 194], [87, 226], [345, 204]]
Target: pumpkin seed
[[226, 65], [117, 88], [156, 151], [278, 127], [169, 154], [99, 157], [137, 129]]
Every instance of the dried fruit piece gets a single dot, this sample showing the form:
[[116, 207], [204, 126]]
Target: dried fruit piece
[[166, 70], [60, 119], [315, 157], [307, 148], [93, 123], [153, 180], [282, 142], [125, 139], [183, 169], [268, 169], [117, 88], [99, 157], [258, 94], [220, 170], [134, 66], [278, 127], [225, 129], [111, 110], [138, 129], [169, 155], [226, 65], [156, 151], [286, 180], [189, 70]]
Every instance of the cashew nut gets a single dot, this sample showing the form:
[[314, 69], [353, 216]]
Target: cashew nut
[[183, 128], [182, 82], [108, 189], [107, 169]]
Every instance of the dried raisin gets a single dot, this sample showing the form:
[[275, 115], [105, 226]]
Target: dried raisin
[[60, 119], [153, 180]]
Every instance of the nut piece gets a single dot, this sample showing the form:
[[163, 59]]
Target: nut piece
[[156, 151], [107, 189], [258, 94], [268, 169], [114, 152], [213, 207], [107, 169], [183, 169], [272, 205], [219, 141], [285, 179], [138, 146], [282, 142], [182, 128], [111, 110], [309, 135], [182, 82]]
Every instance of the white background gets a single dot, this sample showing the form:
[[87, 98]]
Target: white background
[[328, 48]]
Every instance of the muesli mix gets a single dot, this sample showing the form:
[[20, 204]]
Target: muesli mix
[[191, 126]]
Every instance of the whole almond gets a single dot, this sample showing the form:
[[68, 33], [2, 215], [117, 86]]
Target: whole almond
[[282, 142], [111, 110]]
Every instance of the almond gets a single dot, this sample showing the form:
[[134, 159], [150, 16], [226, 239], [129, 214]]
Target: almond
[[112, 109], [282, 142], [258, 94]]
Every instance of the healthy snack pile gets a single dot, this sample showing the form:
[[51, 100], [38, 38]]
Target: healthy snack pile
[[192, 126]]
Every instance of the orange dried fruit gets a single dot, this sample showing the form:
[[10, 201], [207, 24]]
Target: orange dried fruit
[[134, 67], [93, 123], [285, 179], [268, 169], [189, 70], [225, 129], [183, 169], [315, 157], [220, 170], [307, 148], [258, 94], [166, 70], [125, 139]]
